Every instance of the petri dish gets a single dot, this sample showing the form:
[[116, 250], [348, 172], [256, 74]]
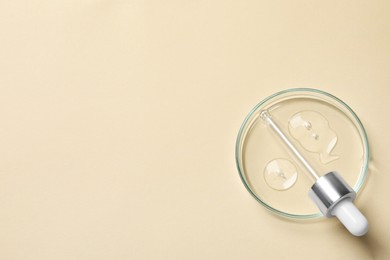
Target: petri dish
[[321, 127]]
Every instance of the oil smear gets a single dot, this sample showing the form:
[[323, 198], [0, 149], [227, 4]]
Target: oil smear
[[312, 131]]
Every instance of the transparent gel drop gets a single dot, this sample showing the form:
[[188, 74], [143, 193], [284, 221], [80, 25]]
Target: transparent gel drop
[[312, 131], [280, 174]]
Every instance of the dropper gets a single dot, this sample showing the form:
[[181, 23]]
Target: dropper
[[330, 192]]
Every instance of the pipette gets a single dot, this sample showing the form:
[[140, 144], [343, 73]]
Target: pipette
[[330, 192]]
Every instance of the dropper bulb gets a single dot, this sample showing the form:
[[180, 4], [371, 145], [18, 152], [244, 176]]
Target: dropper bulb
[[351, 217]]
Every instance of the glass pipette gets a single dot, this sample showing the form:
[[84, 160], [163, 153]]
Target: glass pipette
[[332, 195]]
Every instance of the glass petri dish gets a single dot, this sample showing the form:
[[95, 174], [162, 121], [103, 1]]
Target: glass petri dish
[[321, 127]]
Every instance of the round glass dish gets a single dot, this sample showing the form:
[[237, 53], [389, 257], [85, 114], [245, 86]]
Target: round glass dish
[[322, 128]]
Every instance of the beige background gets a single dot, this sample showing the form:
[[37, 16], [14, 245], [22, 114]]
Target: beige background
[[118, 122]]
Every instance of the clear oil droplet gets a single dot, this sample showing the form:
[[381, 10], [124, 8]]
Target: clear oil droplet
[[280, 174]]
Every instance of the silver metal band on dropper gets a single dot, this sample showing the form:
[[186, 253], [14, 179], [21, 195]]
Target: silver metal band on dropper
[[328, 190]]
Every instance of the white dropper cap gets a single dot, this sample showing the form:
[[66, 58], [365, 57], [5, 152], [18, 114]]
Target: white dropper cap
[[351, 217], [334, 197], [330, 192]]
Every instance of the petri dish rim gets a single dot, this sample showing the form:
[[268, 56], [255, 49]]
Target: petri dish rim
[[241, 137]]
